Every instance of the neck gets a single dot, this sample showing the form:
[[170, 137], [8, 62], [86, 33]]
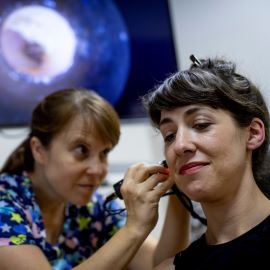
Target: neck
[[47, 199], [230, 220], [52, 210]]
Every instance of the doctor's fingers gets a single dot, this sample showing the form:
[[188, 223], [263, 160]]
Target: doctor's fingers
[[140, 172], [151, 189]]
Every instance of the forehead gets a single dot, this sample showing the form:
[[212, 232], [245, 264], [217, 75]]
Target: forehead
[[80, 125], [79, 128]]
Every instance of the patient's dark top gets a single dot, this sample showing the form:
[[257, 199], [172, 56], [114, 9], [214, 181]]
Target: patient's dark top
[[248, 251]]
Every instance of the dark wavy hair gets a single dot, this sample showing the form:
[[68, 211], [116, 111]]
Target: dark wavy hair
[[53, 114], [215, 83]]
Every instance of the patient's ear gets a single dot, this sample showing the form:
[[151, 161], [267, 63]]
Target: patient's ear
[[256, 134], [38, 150]]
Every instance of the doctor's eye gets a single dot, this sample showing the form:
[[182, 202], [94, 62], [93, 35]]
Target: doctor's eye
[[81, 151]]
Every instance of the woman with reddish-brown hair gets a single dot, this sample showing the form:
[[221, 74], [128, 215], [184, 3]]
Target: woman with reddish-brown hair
[[51, 213]]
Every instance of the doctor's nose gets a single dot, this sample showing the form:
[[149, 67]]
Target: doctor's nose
[[97, 167]]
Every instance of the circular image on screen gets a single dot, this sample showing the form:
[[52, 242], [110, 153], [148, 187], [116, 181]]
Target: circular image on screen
[[49, 45]]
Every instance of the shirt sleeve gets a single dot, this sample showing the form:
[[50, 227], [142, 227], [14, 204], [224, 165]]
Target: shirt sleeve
[[116, 214], [112, 216], [15, 224]]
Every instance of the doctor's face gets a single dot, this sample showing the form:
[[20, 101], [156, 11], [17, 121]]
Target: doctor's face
[[74, 164]]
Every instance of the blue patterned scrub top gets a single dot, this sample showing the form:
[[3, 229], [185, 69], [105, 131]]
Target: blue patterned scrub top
[[85, 229]]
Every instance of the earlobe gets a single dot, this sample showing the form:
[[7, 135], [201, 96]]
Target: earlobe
[[256, 134], [37, 149]]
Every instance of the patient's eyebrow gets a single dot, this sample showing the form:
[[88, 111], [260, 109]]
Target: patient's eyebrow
[[164, 121], [188, 112]]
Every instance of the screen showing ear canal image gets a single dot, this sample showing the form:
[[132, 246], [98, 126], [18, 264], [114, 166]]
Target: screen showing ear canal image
[[112, 47]]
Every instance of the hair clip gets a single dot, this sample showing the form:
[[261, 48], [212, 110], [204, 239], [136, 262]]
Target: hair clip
[[195, 60]]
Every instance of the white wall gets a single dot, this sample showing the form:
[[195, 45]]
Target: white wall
[[9, 139], [236, 29]]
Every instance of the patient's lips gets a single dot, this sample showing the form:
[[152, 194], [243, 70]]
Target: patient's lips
[[192, 167]]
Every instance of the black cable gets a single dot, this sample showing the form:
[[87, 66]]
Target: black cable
[[185, 200]]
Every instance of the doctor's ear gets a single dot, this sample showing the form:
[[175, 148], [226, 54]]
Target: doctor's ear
[[38, 150], [256, 135]]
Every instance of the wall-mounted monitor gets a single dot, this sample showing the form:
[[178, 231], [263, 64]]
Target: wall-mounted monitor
[[119, 48]]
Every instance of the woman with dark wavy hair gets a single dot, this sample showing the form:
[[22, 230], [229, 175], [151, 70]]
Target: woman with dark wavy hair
[[215, 126]]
